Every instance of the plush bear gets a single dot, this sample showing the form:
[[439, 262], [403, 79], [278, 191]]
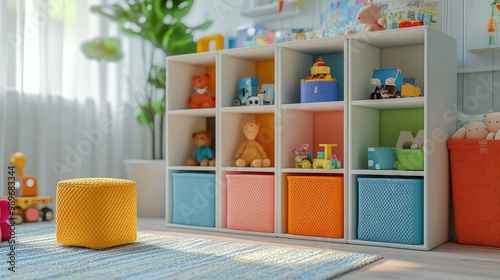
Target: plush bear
[[201, 97], [251, 152], [204, 155], [5, 229], [474, 130], [371, 16], [492, 122]]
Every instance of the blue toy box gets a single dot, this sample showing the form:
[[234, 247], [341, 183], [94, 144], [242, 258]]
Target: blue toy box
[[193, 199], [391, 210], [319, 91], [381, 158]]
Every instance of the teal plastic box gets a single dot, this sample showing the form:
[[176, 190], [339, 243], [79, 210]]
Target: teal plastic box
[[381, 158]]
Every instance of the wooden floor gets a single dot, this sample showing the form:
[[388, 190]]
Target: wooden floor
[[450, 261]]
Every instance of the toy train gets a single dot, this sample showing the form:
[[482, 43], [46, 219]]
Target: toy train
[[326, 159], [29, 207], [248, 94]]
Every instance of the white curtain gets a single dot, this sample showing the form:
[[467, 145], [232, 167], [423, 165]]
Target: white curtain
[[69, 115]]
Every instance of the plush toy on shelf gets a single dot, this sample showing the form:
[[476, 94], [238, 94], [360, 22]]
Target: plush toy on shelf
[[251, 152], [474, 130], [371, 16], [5, 228], [492, 122], [204, 155], [201, 97]]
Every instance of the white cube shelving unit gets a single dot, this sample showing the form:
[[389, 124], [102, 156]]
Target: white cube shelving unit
[[421, 52]]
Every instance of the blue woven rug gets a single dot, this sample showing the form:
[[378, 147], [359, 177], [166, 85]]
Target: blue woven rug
[[152, 256]]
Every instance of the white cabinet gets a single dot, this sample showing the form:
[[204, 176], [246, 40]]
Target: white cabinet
[[353, 123]]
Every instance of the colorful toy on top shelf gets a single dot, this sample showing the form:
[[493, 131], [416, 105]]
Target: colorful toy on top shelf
[[203, 44], [5, 228], [251, 152], [204, 155], [303, 158], [27, 201], [201, 97], [326, 159], [388, 83], [371, 16], [409, 23], [320, 86], [247, 91]]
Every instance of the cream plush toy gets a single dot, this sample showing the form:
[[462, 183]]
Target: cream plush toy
[[251, 152], [474, 130], [371, 16], [492, 122]]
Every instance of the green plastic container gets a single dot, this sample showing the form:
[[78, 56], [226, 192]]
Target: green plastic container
[[410, 159]]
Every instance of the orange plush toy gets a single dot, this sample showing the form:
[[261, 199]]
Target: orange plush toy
[[201, 97]]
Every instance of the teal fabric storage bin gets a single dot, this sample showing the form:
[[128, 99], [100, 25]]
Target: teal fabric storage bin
[[193, 199], [391, 210]]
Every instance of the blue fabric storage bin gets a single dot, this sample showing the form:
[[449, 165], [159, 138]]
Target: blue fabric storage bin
[[319, 91], [193, 199], [391, 210]]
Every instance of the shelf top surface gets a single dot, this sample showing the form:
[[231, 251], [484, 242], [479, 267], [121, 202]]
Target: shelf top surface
[[208, 112], [257, 53], [315, 107], [202, 58], [249, 109], [391, 103], [317, 46]]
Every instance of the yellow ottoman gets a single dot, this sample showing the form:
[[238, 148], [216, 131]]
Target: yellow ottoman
[[96, 212]]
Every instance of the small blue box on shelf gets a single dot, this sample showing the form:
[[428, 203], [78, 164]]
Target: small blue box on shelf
[[381, 158], [319, 91], [193, 199], [391, 210]]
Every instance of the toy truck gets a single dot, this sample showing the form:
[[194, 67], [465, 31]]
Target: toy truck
[[388, 83], [326, 159]]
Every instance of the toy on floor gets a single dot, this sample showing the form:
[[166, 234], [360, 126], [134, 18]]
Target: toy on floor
[[5, 228], [492, 123], [204, 155], [201, 97], [27, 201], [251, 152], [371, 16]]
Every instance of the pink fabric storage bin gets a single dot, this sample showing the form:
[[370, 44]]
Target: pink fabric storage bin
[[250, 202]]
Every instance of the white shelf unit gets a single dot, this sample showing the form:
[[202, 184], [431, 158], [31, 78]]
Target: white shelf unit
[[429, 57], [421, 52]]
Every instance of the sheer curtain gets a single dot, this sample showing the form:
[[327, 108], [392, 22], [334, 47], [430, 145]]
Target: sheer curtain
[[69, 115]]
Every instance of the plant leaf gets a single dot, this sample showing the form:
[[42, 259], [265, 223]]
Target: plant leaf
[[102, 49]]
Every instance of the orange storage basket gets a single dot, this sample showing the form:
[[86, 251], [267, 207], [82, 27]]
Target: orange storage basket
[[316, 206], [475, 178]]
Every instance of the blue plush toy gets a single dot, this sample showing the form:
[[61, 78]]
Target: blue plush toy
[[203, 155]]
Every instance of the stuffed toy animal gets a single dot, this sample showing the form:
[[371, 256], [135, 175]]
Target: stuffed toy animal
[[251, 152], [204, 155], [201, 97], [371, 16], [5, 229], [474, 130], [492, 122]]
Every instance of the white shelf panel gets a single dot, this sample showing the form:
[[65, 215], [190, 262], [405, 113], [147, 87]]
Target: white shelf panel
[[191, 227], [387, 172], [192, 168], [226, 230], [249, 109], [256, 53], [315, 107], [386, 244], [209, 112], [313, 171], [248, 169], [391, 103], [392, 38], [312, 238], [317, 46], [484, 49], [201, 59]]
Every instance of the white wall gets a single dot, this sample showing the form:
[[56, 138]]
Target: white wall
[[478, 80]]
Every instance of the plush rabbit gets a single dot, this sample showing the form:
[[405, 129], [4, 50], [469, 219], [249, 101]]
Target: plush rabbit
[[371, 16]]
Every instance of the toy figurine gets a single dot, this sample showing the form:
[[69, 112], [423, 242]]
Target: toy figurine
[[204, 155], [201, 97], [251, 152]]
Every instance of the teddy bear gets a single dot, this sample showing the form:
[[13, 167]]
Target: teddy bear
[[204, 155], [251, 152], [492, 122], [201, 97], [371, 16], [5, 228], [474, 130]]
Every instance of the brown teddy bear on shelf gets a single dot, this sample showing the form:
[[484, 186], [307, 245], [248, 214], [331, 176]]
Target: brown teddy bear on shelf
[[251, 152], [201, 97], [492, 122], [204, 155]]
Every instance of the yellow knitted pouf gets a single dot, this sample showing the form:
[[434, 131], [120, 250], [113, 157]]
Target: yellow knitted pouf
[[96, 212]]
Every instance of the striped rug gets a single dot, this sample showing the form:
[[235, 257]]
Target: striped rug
[[152, 256]]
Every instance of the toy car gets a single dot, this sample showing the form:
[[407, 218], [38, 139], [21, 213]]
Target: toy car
[[326, 159], [303, 158], [388, 83]]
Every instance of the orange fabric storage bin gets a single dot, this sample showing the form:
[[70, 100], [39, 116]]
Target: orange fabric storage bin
[[475, 182], [316, 206], [250, 202]]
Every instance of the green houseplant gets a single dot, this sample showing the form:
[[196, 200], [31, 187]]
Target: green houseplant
[[158, 23]]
